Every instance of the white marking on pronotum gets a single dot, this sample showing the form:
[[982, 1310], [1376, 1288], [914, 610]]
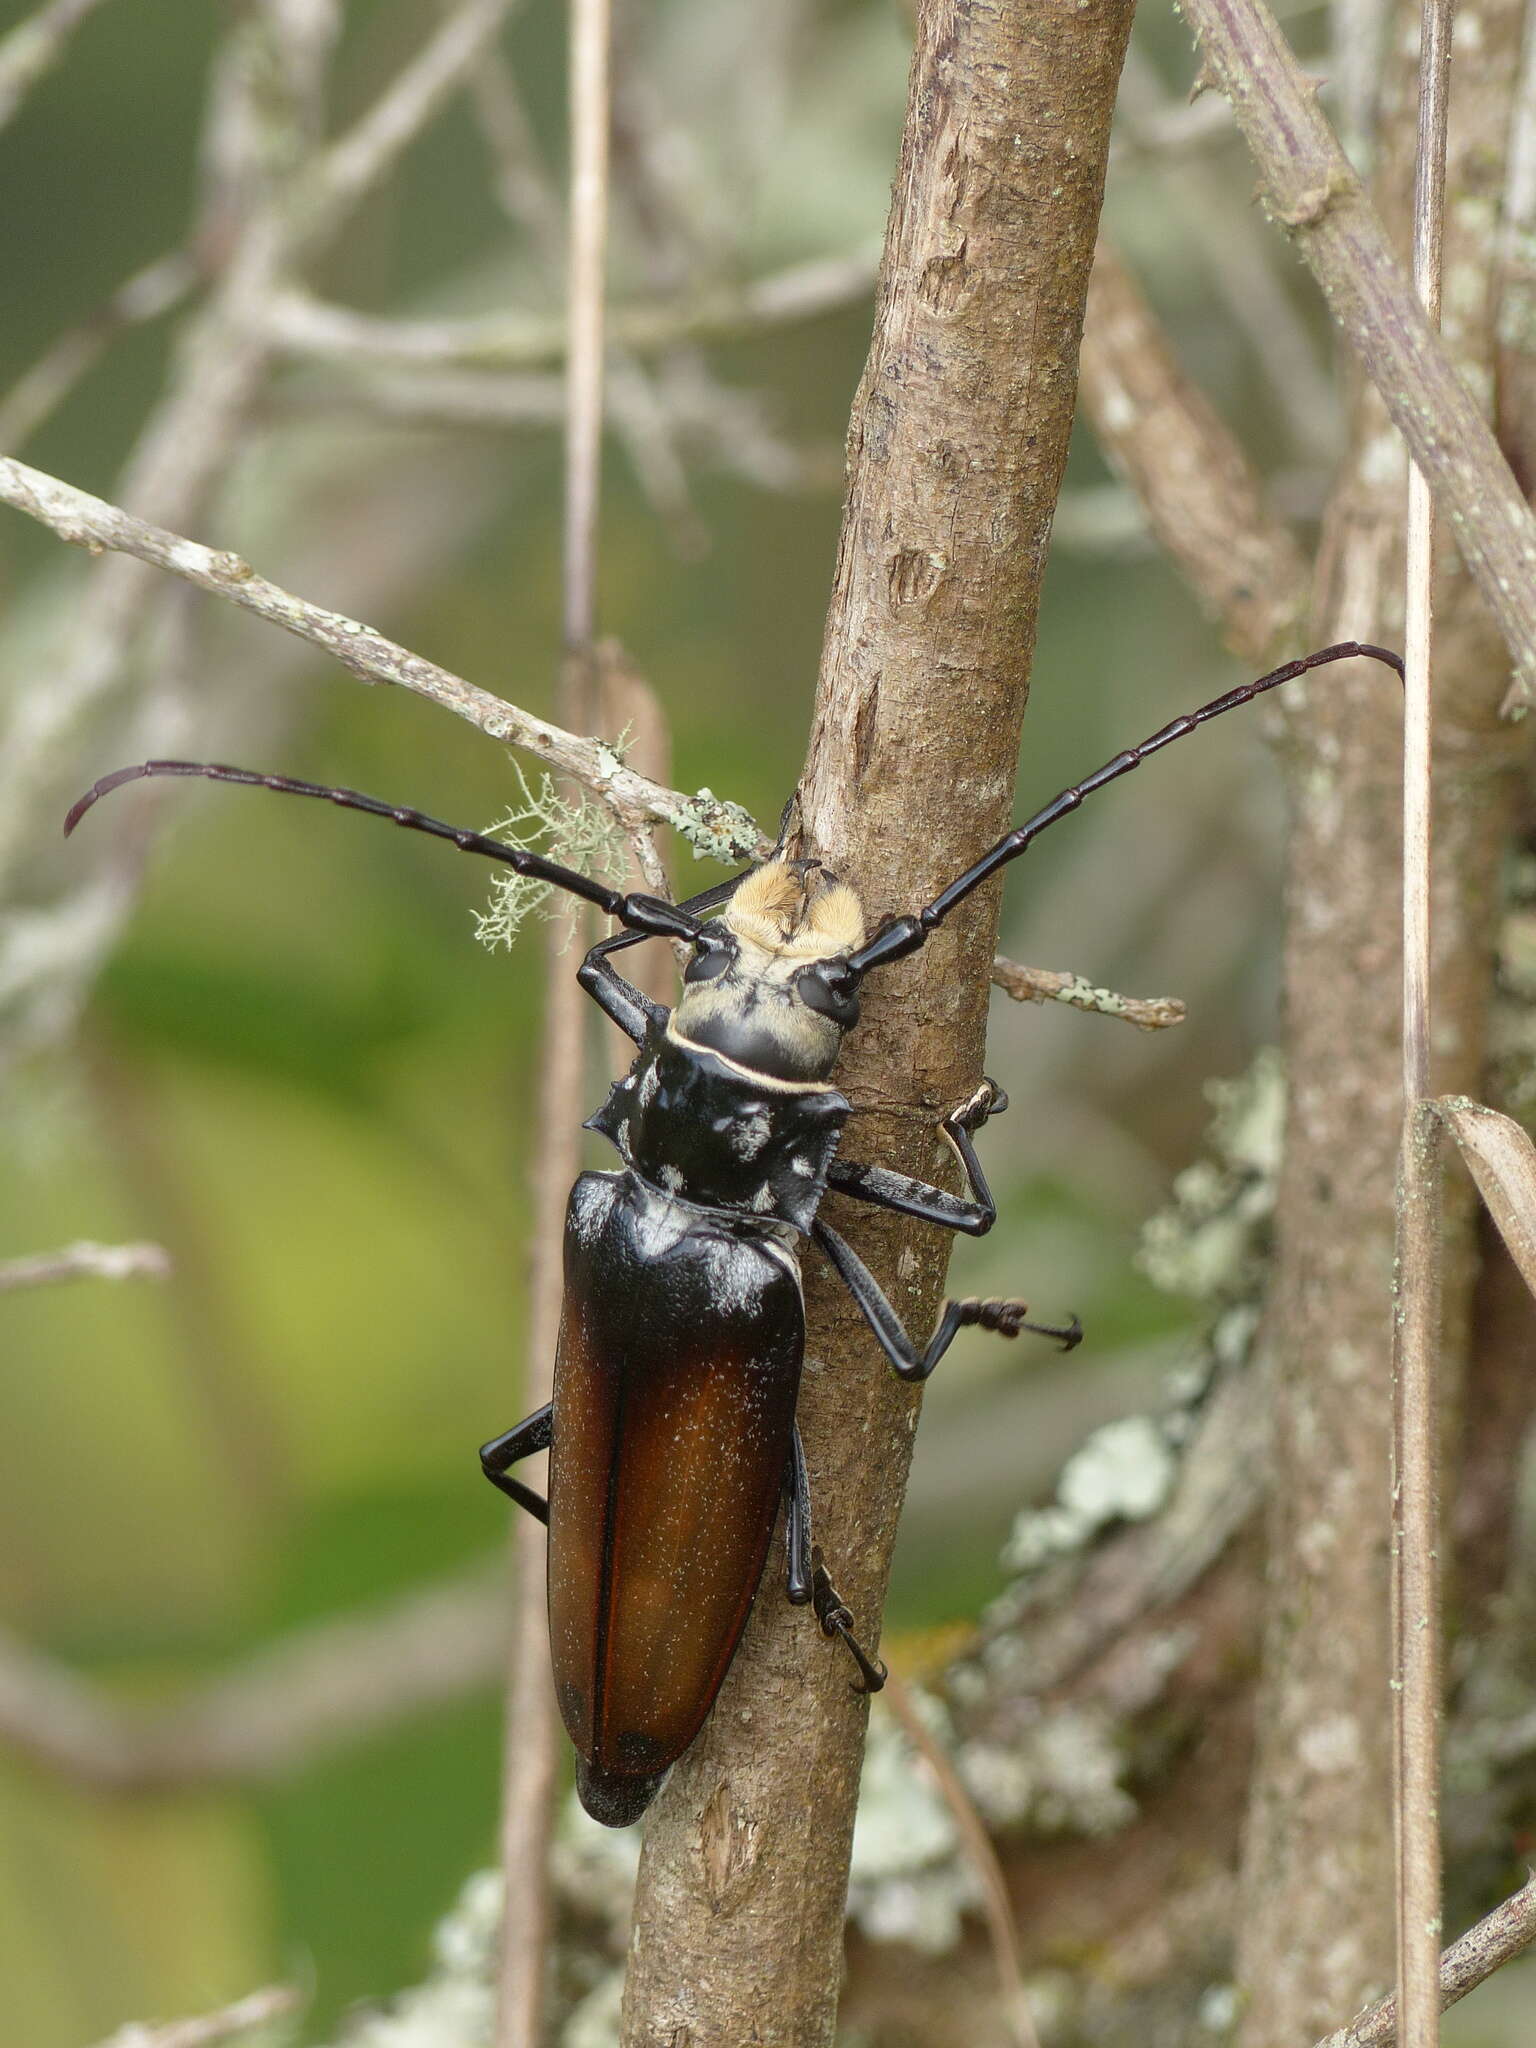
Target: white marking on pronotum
[[763, 1200], [650, 1081], [748, 1134], [670, 1177], [806, 1168]]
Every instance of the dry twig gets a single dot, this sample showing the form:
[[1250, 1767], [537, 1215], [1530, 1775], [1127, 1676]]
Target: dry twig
[[91, 523], [1048, 985]]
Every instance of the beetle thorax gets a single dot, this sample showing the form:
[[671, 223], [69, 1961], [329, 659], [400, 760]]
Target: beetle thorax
[[772, 992]]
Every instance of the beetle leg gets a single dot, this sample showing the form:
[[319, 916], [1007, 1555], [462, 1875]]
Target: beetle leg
[[619, 1000], [797, 1522], [533, 1435], [836, 1620], [909, 1197], [1006, 1317]]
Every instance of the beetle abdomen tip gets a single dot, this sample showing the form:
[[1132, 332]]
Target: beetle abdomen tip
[[617, 1799]]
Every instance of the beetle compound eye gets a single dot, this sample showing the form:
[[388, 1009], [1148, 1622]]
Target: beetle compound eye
[[830, 993], [708, 965]]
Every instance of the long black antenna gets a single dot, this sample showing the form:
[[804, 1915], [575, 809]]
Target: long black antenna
[[903, 935], [646, 916]]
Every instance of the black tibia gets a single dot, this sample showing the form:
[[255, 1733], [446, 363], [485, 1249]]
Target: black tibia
[[909, 1197], [797, 1523], [533, 1435], [902, 935], [807, 1577], [620, 1001], [836, 1620], [1005, 1317]]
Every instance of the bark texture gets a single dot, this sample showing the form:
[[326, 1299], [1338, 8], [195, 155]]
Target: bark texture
[[957, 445]]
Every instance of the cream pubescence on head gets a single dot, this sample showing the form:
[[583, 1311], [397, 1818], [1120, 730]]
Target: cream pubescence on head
[[792, 915], [763, 1000]]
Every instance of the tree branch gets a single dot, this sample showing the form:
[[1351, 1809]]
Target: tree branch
[[957, 444]]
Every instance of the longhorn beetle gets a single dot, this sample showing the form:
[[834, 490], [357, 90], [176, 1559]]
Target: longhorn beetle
[[672, 1430]]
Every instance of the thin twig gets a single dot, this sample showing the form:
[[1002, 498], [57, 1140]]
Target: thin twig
[[34, 46], [86, 1261], [257, 2009], [1047, 985], [709, 823], [977, 1845], [1416, 1266], [1506, 1932], [1313, 192]]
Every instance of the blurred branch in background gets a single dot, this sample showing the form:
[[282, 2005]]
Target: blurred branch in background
[[323, 1688], [528, 341], [1314, 194], [30, 49], [1202, 497], [208, 2029], [86, 1261]]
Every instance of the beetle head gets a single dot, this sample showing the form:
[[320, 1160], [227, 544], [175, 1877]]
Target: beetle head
[[769, 986]]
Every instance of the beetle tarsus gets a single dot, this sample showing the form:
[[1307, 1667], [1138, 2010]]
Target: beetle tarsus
[[988, 1101], [836, 1620]]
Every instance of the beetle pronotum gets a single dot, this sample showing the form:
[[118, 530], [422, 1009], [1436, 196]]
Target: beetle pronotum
[[672, 1429]]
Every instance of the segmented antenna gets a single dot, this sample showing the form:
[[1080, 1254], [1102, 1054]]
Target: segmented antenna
[[903, 935], [647, 916]]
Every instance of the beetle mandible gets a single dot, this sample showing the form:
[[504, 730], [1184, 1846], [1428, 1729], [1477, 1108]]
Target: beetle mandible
[[672, 1432]]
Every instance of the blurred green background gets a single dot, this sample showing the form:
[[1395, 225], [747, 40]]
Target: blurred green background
[[300, 1073]]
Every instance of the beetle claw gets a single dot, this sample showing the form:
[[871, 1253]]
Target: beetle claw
[[837, 1620]]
